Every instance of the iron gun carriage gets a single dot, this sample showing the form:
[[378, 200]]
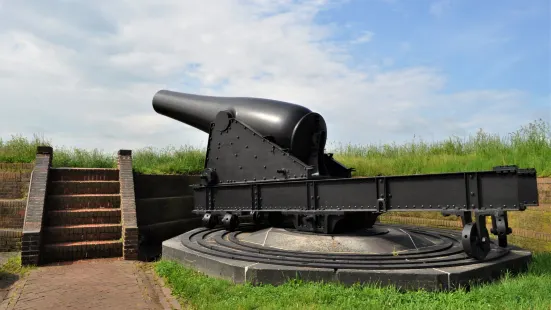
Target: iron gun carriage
[[267, 159]]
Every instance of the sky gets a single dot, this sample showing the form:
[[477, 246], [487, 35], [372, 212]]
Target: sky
[[83, 73]]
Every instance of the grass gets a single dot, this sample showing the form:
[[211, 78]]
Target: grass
[[13, 267], [529, 147], [527, 291]]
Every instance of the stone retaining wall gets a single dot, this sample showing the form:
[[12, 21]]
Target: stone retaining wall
[[163, 206]]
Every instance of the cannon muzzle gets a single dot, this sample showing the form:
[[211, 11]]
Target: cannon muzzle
[[287, 124]]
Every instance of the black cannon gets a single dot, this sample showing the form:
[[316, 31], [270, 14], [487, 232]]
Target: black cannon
[[266, 159]]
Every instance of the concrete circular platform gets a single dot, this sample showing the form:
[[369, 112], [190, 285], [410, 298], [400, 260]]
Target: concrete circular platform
[[407, 257]]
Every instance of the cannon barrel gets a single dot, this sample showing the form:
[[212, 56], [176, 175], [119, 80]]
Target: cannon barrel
[[286, 123]]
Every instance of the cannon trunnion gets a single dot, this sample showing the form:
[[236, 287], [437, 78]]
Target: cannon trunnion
[[265, 159]]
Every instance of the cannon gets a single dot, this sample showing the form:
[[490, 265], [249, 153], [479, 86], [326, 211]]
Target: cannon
[[266, 159]]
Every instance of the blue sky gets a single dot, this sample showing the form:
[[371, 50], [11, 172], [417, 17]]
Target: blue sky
[[83, 73], [479, 44]]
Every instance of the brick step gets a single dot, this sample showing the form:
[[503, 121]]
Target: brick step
[[83, 187], [75, 233], [84, 174], [83, 216], [87, 201], [70, 251]]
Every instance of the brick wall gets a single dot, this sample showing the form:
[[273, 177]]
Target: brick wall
[[14, 185], [12, 213], [128, 205], [32, 226], [14, 180], [10, 240], [544, 190]]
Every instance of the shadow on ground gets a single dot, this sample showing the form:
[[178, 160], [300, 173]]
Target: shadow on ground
[[7, 279], [150, 252]]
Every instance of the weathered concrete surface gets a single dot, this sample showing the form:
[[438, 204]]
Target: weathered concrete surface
[[241, 269], [90, 284]]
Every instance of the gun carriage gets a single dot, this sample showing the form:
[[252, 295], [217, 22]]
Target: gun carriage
[[266, 159]]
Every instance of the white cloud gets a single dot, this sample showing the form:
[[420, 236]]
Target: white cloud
[[84, 74], [365, 37]]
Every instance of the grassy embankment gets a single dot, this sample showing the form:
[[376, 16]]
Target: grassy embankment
[[526, 291], [530, 146]]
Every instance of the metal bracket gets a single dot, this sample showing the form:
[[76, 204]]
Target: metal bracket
[[505, 169], [500, 227], [381, 195]]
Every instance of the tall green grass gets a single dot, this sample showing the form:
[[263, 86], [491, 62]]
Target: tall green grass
[[529, 147]]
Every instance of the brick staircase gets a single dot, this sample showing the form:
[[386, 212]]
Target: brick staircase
[[82, 216]]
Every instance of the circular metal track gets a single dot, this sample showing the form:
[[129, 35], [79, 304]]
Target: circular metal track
[[447, 253]]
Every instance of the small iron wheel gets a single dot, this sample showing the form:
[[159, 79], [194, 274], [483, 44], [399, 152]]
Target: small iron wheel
[[474, 245], [230, 221], [209, 220]]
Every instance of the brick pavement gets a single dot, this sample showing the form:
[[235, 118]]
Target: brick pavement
[[90, 284]]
